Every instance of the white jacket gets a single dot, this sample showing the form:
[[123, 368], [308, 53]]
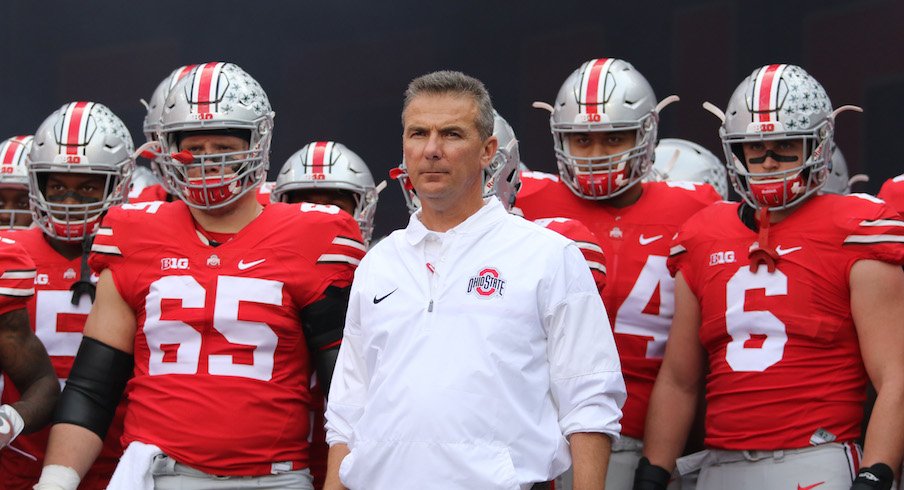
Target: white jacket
[[475, 381]]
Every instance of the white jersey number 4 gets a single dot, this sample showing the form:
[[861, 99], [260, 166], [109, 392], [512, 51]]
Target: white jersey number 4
[[632, 319]]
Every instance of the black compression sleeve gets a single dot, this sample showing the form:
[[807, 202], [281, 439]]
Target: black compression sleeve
[[95, 386], [323, 323]]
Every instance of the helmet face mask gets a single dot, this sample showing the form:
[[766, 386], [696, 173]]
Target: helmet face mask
[[502, 178], [81, 138], [330, 166], [215, 97], [775, 103], [605, 95]]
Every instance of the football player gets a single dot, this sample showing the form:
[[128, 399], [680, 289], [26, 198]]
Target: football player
[[79, 166], [680, 160], [840, 181], [892, 192], [788, 302], [212, 308], [604, 124], [327, 172], [22, 356], [14, 212]]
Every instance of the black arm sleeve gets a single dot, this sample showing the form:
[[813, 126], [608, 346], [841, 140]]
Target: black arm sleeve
[[95, 386], [323, 323]]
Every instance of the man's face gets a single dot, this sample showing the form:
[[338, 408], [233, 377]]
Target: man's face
[[211, 144], [74, 188], [15, 199], [600, 143], [773, 156], [341, 199], [444, 153]]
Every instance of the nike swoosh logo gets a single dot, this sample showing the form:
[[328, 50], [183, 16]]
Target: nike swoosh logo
[[785, 251], [377, 300], [809, 487], [646, 241], [243, 265]]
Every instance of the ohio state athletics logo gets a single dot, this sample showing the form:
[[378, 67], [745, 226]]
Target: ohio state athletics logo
[[488, 283]]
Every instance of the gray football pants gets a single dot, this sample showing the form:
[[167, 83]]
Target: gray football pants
[[170, 475], [824, 467]]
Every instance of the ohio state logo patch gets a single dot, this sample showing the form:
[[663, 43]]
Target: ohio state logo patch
[[488, 283]]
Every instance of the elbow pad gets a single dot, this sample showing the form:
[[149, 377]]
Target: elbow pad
[[95, 386]]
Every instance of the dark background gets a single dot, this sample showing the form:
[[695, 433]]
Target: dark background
[[337, 70]]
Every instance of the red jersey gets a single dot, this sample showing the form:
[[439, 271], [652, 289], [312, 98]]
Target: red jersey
[[151, 193], [263, 193], [585, 240], [221, 363], [17, 276], [639, 293], [784, 360], [58, 324], [892, 192]]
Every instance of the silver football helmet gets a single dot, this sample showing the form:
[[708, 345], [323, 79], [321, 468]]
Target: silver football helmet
[[142, 178], [683, 160], [151, 123], [14, 175], [215, 97], [502, 177], [778, 102], [604, 95], [79, 138], [330, 165]]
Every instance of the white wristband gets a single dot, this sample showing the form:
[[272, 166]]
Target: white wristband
[[58, 477], [9, 414]]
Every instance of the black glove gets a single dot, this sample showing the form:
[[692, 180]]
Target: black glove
[[876, 476], [650, 477]]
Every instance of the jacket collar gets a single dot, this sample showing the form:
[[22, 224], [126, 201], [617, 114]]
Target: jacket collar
[[488, 215]]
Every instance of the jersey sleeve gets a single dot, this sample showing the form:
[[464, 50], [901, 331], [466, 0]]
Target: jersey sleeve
[[680, 251], [17, 279], [585, 240], [107, 248], [332, 240], [892, 192], [871, 230]]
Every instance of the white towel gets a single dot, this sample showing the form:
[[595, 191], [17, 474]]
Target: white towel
[[134, 469]]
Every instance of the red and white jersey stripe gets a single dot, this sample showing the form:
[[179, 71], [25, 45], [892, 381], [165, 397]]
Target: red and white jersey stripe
[[766, 93], [344, 249], [206, 87], [14, 150], [73, 131], [596, 86], [17, 276]]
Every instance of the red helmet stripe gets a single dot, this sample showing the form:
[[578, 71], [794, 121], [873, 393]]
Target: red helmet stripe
[[180, 74], [12, 151], [205, 83], [75, 125], [593, 75], [319, 156], [767, 92]]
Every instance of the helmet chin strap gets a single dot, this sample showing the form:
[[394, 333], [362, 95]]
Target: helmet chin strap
[[84, 285], [761, 252]]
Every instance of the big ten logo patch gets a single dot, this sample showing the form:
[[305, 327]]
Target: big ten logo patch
[[179, 263]]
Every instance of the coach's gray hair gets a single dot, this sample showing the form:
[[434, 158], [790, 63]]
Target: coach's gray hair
[[455, 82]]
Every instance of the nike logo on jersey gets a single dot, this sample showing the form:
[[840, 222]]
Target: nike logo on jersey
[[785, 251], [377, 300], [809, 487], [648, 240], [247, 265]]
